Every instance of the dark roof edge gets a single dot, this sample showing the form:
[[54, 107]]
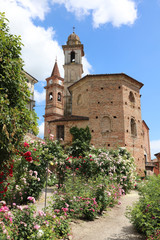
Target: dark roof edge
[[156, 154], [107, 74], [145, 124], [70, 118]]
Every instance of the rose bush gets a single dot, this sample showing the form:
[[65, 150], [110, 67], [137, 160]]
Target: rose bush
[[118, 165], [29, 172], [145, 215], [23, 222], [79, 199]]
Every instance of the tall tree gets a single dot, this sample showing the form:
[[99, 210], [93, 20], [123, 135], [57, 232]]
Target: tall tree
[[15, 118]]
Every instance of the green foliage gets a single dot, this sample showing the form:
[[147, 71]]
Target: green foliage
[[22, 223], [83, 134], [15, 118], [58, 156], [29, 172], [145, 214], [78, 199], [80, 142]]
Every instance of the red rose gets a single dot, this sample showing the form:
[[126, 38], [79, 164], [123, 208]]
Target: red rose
[[29, 159], [27, 154], [26, 144]]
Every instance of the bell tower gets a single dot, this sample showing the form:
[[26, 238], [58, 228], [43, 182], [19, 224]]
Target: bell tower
[[54, 98], [73, 68]]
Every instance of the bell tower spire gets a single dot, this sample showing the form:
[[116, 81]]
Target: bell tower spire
[[73, 68], [54, 97]]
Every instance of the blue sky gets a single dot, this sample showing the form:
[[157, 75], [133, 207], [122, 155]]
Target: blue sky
[[118, 36]]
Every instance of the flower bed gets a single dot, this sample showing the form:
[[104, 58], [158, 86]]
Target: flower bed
[[23, 222], [145, 215], [78, 199], [84, 188]]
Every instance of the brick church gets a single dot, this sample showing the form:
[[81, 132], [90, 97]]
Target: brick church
[[109, 104]]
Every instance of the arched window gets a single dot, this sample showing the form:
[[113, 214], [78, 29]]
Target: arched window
[[106, 124], [59, 97], [131, 97], [72, 56], [79, 99], [133, 127], [50, 96]]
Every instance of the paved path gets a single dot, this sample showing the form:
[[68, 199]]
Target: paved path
[[111, 226], [40, 204]]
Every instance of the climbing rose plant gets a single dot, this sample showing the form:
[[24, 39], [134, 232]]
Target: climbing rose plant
[[15, 118]]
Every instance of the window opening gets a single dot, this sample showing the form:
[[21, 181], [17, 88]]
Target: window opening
[[79, 99], [50, 96], [59, 97], [131, 97], [133, 127], [60, 132], [72, 56], [106, 124]]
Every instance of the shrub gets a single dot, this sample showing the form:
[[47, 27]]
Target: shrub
[[80, 142], [25, 223], [145, 214], [79, 199], [15, 118], [29, 172]]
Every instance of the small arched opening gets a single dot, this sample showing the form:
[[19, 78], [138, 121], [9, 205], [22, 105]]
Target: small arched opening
[[50, 96], [72, 56], [131, 97], [133, 127], [59, 97], [106, 124]]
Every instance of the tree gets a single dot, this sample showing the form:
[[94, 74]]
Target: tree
[[15, 119], [80, 141]]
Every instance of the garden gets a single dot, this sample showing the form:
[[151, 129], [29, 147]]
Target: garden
[[86, 181], [145, 214], [84, 187]]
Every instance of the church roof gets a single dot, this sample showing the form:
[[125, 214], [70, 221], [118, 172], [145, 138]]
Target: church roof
[[73, 39], [145, 124], [70, 118], [157, 154], [55, 71], [110, 74]]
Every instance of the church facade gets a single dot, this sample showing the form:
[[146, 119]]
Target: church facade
[[109, 104]]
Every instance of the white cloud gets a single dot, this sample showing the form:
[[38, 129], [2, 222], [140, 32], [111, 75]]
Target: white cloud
[[155, 147], [40, 46], [36, 8], [40, 49], [41, 130], [86, 66], [39, 96], [117, 12]]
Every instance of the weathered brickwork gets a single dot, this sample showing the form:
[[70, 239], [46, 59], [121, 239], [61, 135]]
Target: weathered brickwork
[[54, 98], [108, 103], [145, 133]]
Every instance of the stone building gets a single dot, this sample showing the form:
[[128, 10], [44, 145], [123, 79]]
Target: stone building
[[109, 104], [30, 82]]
